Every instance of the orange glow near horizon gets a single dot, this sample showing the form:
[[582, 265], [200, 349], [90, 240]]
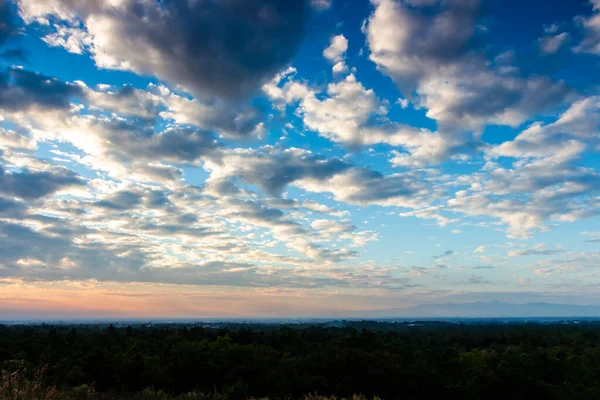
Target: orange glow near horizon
[[91, 299]]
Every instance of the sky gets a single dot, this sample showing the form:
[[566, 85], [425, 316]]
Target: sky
[[276, 158]]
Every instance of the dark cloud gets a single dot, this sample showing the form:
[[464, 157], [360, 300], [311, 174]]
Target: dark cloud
[[445, 254], [477, 280], [273, 170], [45, 255], [136, 144], [10, 207], [20, 242], [421, 38], [255, 213], [21, 89], [535, 252], [31, 185], [8, 24], [484, 267], [484, 99], [16, 54], [375, 187], [139, 142], [122, 200], [222, 48], [177, 145]]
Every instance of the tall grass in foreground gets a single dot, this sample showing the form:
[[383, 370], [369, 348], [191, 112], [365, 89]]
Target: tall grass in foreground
[[18, 385]]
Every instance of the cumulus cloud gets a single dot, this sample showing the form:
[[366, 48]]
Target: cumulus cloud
[[168, 189], [21, 89], [347, 113], [363, 186], [564, 138], [31, 185], [121, 146], [236, 44], [445, 71], [336, 53], [272, 169], [10, 139], [337, 49], [528, 196]]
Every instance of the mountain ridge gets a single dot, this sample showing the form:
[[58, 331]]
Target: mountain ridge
[[482, 309]]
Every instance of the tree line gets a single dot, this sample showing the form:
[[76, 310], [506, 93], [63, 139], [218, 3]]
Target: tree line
[[239, 361]]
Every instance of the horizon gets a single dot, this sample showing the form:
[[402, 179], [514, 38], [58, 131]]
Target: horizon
[[577, 312], [276, 159]]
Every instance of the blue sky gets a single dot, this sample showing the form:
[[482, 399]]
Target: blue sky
[[276, 158]]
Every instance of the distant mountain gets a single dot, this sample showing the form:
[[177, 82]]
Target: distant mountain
[[489, 309]]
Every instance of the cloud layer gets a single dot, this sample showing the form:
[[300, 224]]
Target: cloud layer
[[257, 147]]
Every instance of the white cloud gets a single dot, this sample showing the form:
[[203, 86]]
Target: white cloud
[[337, 49], [591, 26], [444, 74], [551, 44]]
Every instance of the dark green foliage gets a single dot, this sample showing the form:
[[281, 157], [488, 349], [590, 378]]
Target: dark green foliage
[[392, 361]]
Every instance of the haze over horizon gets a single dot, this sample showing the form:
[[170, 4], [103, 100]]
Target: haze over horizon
[[296, 158]]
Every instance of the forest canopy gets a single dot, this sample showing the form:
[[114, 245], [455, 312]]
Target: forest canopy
[[236, 361]]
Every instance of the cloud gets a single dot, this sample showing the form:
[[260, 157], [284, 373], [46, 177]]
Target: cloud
[[544, 179], [122, 200], [168, 189], [21, 89], [362, 186], [10, 139], [32, 185], [232, 121], [339, 68], [337, 49], [336, 53], [122, 147], [272, 169], [228, 120], [74, 40], [527, 197], [341, 115], [8, 26], [445, 71], [536, 251], [579, 123], [552, 44], [447, 253], [477, 280], [125, 100], [444, 38], [237, 45], [321, 5], [349, 113], [591, 28]]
